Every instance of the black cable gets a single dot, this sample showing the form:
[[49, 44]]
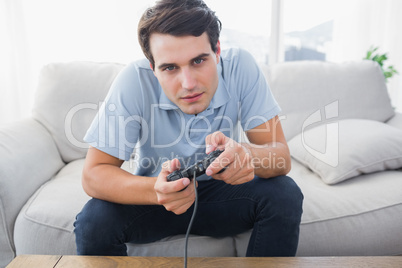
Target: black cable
[[191, 220]]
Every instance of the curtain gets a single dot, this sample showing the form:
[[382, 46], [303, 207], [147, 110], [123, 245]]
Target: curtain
[[371, 23], [15, 77]]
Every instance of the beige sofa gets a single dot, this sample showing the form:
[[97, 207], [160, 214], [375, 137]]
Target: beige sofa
[[344, 136]]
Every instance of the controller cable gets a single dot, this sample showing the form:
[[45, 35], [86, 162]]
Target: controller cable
[[191, 220]]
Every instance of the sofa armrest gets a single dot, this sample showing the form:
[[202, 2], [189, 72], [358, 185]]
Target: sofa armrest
[[29, 157]]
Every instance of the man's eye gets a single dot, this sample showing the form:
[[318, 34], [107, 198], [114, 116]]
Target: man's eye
[[169, 68], [198, 61]]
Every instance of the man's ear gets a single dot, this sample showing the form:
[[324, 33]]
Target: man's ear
[[218, 51], [152, 68]]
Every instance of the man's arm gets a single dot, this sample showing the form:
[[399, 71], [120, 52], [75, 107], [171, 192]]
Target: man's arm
[[104, 179], [268, 144], [267, 155]]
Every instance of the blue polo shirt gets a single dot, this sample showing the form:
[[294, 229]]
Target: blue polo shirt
[[137, 119]]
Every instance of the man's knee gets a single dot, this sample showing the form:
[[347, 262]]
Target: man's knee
[[291, 192], [282, 193], [95, 223]]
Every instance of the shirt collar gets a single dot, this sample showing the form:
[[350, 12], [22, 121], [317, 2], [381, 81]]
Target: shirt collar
[[221, 97]]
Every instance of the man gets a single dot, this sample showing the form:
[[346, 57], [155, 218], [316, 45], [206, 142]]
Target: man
[[187, 99]]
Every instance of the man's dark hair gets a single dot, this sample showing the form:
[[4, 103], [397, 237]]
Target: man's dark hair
[[178, 18]]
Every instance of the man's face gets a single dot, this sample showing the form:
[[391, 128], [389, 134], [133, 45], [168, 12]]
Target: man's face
[[186, 69]]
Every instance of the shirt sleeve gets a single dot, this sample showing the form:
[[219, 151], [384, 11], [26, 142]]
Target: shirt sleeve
[[256, 101], [116, 127]]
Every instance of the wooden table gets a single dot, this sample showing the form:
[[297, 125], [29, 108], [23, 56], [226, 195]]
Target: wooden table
[[45, 261]]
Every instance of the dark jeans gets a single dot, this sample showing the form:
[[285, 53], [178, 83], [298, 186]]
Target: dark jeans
[[271, 207]]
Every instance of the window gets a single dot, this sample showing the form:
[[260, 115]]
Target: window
[[308, 28], [245, 24]]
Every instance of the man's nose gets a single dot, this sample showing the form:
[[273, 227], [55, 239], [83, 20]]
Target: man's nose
[[188, 79]]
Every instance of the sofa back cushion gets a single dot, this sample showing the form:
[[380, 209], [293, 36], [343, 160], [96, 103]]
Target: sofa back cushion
[[311, 92], [68, 98]]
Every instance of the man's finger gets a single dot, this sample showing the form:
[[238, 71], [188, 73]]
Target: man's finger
[[214, 141], [220, 163]]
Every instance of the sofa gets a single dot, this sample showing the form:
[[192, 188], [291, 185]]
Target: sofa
[[344, 136]]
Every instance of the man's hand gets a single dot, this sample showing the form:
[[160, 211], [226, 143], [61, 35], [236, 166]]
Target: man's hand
[[170, 194], [236, 158]]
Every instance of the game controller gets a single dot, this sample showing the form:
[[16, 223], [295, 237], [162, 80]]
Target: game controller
[[198, 168]]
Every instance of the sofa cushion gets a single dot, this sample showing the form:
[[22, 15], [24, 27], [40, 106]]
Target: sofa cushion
[[67, 99], [311, 91], [198, 246], [48, 218], [347, 148], [358, 217]]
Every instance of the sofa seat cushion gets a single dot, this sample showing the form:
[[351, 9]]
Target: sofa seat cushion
[[48, 217], [347, 148], [198, 246], [362, 216]]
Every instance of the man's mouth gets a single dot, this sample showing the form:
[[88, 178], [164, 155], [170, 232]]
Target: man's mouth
[[192, 97]]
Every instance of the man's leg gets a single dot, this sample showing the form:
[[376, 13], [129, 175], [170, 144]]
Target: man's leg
[[272, 207], [103, 228]]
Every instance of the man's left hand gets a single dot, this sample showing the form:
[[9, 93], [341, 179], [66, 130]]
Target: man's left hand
[[236, 159]]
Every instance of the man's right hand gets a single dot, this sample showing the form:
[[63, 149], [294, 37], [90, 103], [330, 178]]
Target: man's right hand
[[170, 194]]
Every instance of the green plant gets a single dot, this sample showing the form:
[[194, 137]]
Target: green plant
[[380, 59]]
